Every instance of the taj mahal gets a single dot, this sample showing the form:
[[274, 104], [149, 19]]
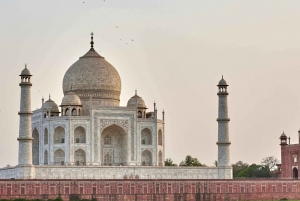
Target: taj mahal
[[88, 135]]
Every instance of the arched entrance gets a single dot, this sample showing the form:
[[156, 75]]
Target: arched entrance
[[146, 158], [35, 147], [114, 146], [79, 157], [295, 173]]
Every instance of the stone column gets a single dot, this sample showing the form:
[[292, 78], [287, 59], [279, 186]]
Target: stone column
[[223, 128], [25, 131]]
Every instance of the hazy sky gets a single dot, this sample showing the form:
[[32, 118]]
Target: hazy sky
[[180, 50]]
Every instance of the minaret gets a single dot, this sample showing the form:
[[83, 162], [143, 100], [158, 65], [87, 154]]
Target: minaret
[[25, 132], [223, 128]]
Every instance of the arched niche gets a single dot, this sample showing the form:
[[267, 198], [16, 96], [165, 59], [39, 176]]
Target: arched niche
[[79, 135], [59, 157], [59, 135], [114, 143], [67, 112], [46, 136], [146, 137], [160, 137], [46, 157], [80, 157], [295, 173], [160, 158], [146, 158], [35, 147], [74, 112]]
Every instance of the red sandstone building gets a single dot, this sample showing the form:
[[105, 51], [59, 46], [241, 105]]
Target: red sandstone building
[[290, 157]]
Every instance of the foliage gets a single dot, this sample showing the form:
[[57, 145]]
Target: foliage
[[216, 163], [255, 171], [270, 162], [190, 161], [169, 162], [238, 167]]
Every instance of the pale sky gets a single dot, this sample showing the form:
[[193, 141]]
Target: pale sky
[[180, 50]]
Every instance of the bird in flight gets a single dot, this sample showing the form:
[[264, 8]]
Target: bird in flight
[[131, 40], [117, 27]]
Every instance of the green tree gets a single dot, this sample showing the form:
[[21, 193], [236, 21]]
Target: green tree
[[190, 161], [238, 167], [255, 171], [169, 162], [216, 163]]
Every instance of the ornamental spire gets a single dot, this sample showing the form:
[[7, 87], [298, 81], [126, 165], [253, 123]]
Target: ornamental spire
[[92, 42]]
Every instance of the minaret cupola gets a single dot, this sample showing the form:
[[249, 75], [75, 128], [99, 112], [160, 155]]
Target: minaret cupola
[[283, 139], [222, 85]]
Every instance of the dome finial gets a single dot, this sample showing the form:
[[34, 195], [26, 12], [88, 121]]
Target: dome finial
[[135, 92], [49, 97], [222, 77], [92, 42], [25, 65]]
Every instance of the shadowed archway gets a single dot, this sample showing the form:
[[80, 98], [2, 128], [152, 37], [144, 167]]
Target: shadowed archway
[[114, 143]]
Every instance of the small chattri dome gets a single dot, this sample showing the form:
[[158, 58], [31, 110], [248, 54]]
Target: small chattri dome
[[136, 101], [283, 135], [25, 72], [71, 99], [222, 82], [50, 104]]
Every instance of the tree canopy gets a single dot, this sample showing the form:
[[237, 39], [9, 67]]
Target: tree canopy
[[265, 169], [255, 171], [190, 161], [169, 162]]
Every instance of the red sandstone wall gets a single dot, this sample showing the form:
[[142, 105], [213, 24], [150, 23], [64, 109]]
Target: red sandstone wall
[[127, 190], [287, 160]]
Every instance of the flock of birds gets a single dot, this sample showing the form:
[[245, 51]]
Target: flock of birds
[[117, 28]]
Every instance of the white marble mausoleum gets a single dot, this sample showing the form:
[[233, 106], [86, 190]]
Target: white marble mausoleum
[[88, 135]]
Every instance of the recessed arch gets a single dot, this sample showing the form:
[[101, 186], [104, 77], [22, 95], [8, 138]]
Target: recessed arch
[[160, 137], [46, 157], [146, 158], [59, 157], [46, 136], [79, 135], [114, 143], [80, 157], [146, 137], [35, 147], [59, 135], [295, 173], [67, 112], [140, 114], [160, 158], [74, 112]]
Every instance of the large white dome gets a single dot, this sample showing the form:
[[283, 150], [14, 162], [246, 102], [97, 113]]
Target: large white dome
[[92, 76]]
